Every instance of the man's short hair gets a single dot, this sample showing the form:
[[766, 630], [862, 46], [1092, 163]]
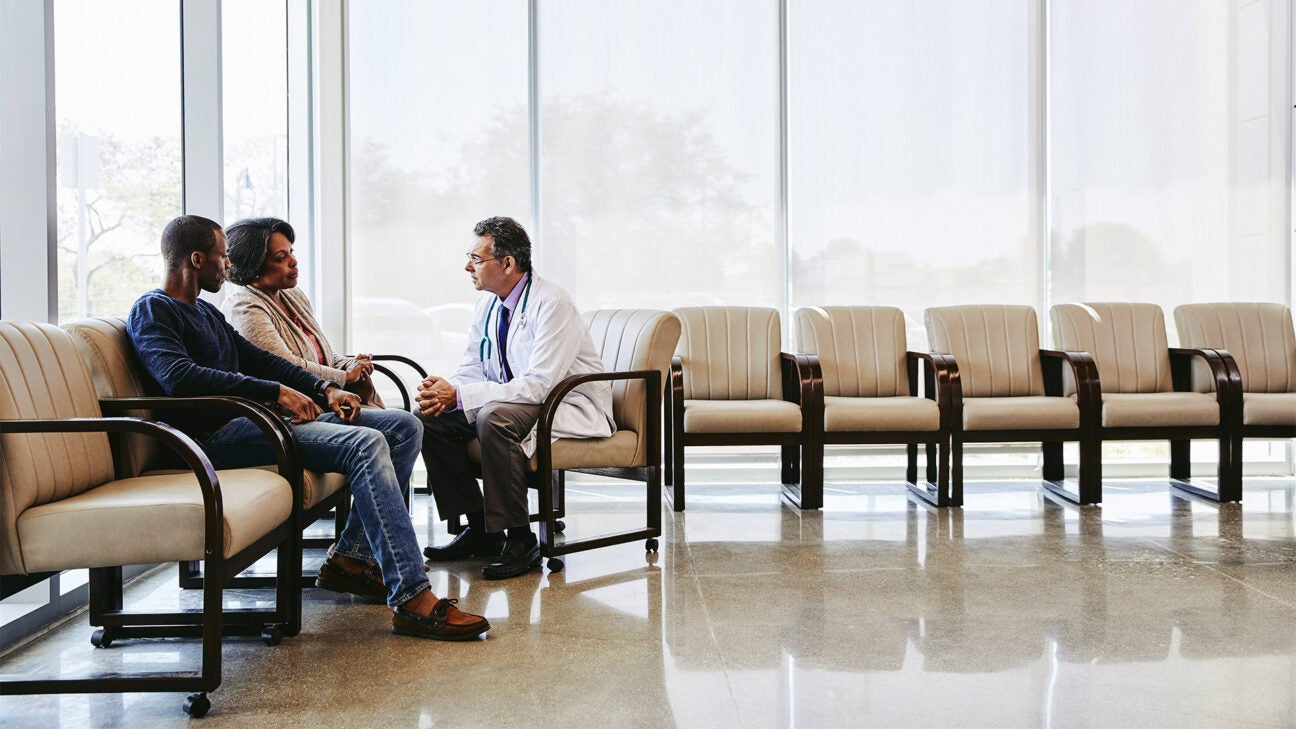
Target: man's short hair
[[249, 241], [185, 235], [507, 239]]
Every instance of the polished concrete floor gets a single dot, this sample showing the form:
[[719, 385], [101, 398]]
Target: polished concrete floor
[[1153, 610]]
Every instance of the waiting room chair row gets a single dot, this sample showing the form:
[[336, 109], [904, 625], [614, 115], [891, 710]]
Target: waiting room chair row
[[852, 379], [72, 498]]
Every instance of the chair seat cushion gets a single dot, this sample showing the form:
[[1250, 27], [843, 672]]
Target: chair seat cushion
[[875, 414], [1028, 412], [149, 519], [741, 416], [616, 451], [316, 486], [1159, 409], [1269, 408]]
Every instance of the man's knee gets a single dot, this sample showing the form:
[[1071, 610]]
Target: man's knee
[[407, 425], [369, 439], [505, 419], [493, 421]]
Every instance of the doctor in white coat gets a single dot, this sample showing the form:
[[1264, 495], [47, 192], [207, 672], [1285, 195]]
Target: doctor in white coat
[[526, 337]]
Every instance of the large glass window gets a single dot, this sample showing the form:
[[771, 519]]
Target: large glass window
[[254, 78], [659, 152], [911, 155], [1168, 152], [439, 141], [1169, 134], [117, 102]]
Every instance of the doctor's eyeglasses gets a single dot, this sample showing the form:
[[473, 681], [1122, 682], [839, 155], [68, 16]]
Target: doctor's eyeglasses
[[475, 261]]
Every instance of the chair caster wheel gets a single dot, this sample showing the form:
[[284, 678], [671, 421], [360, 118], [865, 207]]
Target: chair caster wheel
[[651, 545], [555, 564], [560, 526], [197, 705], [101, 638], [272, 635]]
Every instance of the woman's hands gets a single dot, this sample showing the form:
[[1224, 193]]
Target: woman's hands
[[360, 368]]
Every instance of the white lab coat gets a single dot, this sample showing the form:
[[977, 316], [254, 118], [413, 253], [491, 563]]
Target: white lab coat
[[547, 342]]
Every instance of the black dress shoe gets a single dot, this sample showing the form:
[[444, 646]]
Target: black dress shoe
[[467, 543], [516, 558]]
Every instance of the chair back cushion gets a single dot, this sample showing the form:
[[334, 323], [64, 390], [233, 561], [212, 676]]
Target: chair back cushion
[[106, 349], [1127, 343], [996, 347], [42, 376], [861, 349], [633, 339], [1259, 336], [730, 352]]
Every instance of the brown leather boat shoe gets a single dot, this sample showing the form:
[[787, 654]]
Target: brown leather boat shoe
[[437, 626], [367, 583]]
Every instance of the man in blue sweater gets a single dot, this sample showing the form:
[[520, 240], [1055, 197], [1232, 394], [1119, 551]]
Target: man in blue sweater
[[188, 349]]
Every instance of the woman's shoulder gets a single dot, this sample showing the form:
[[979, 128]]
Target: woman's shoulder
[[243, 301], [235, 293], [297, 298]]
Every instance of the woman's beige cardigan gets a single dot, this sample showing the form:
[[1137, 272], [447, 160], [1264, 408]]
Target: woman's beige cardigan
[[260, 320]]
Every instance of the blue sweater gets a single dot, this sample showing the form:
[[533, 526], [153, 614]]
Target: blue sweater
[[190, 350]]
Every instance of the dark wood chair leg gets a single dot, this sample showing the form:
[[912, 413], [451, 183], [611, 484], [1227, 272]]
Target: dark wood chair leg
[[668, 453], [911, 463], [1229, 472], [812, 476], [956, 470], [1181, 459], [1090, 471], [944, 481], [790, 464], [935, 467], [677, 476], [1054, 466]]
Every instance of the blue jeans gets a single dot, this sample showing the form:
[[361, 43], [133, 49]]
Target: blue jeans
[[377, 460]]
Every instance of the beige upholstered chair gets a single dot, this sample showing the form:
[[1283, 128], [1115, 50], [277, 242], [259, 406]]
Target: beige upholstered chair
[[1146, 386], [636, 347], [731, 385], [870, 387], [1010, 390], [107, 351], [1262, 346], [62, 507]]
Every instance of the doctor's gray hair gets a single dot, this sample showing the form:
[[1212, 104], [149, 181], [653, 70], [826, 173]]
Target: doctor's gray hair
[[507, 239]]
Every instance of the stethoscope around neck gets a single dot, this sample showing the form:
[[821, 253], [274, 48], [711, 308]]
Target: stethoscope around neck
[[485, 350]]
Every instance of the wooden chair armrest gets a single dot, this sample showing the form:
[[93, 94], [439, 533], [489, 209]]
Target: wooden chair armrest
[[396, 380], [941, 377], [280, 436], [422, 373], [1225, 374], [676, 398], [549, 409], [1085, 373], [183, 445], [803, 386], [802, 378]]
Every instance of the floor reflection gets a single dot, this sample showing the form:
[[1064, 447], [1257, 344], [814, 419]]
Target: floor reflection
[[1154, 609]]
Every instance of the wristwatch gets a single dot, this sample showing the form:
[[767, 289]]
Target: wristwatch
[[322, 387]]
